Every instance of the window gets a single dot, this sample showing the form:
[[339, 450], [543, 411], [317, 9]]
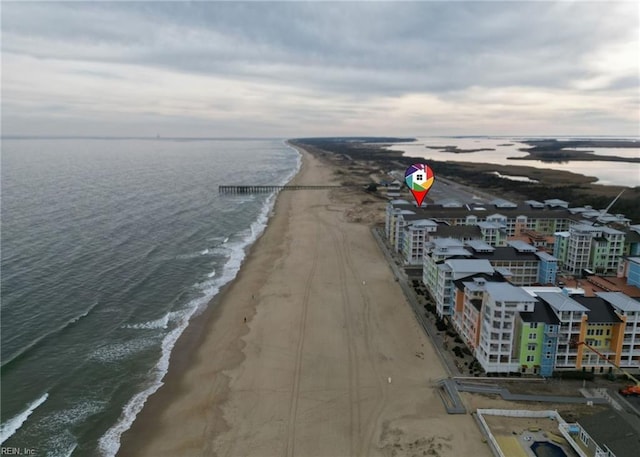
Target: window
[[599, 332], [608, 331], [584, 438], [590, 331], [533, 336], [533, 325], [531, 347], [530, 358]]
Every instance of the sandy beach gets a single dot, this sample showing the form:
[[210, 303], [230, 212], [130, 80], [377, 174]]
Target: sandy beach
[[330, 361]]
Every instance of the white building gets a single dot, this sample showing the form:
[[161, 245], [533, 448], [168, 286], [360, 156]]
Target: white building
[[501, 301], [416, 233], [447, 272]]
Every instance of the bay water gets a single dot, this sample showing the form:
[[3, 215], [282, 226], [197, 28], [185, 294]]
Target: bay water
[[497, 150]]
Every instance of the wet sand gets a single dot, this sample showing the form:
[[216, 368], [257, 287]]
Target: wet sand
[[330, 362]]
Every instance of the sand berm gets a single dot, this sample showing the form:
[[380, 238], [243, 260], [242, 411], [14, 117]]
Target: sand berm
[[330, 361]]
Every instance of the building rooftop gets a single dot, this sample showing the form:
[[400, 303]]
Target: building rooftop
[[585, 228], [609, 428], [490, 225], [440, 211], [534, 203], [599, 310], [632, 236], [504, 291], [422, 223], [561, 302], [611, 231], [502, 203], [506, 253], [447, 242], [546, 256], [620, 301], [542, 312], [535, 290], [450, 203], [505, 272], [521, 246], [462, 268], [480, 246], [556, 202], [459, 231], [476, 282]]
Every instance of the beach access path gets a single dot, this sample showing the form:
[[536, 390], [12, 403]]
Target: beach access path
[[330, 361]]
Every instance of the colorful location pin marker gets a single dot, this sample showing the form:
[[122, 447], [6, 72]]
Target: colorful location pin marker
[[419, 179]]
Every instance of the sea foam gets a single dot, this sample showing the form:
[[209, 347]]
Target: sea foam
[[12, 425], [109, 443]]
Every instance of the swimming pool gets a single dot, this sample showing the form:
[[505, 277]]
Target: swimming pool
[[546, 449]]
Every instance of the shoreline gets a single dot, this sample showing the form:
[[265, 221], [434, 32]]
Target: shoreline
[[331, 360], [184, 351]]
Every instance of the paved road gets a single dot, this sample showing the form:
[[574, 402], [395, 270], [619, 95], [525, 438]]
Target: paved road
[[447, 189]]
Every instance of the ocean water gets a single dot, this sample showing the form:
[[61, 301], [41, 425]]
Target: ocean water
[[108, 248]]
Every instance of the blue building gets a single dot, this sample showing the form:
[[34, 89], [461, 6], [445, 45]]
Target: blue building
[[633, 271], [547, 268], [541, 327]]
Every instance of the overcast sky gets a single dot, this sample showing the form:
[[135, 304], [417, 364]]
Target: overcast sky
[[298, 69]]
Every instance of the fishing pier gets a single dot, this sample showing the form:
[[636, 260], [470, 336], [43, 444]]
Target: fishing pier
[[268, 189]]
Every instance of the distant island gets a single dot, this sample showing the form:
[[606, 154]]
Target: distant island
[[457, 150], [552, 150]]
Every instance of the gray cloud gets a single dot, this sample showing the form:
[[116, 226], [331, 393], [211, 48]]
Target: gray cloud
[[341, 52]]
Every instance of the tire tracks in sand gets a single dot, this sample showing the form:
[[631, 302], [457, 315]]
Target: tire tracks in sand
[[295, 393]]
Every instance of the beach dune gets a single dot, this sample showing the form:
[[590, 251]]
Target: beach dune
[[330, 360]]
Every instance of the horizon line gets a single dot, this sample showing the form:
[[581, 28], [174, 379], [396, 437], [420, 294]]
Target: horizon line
[[204, 138]]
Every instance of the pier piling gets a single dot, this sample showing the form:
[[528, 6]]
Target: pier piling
[[224, 189]]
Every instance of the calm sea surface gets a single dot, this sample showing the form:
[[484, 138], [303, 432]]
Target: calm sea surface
[[618, 173], [108, 248]]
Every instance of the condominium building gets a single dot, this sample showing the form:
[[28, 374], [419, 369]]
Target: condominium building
[[416, 233], [447, 272], [536, 336], [496, 350], [631, 240], [570, 313], [421, 232], [519, 263], [520, 260], [394, 208], [628, 310], [630, 268], [589, 247], [603, 330], [547, 268], [538, 330]]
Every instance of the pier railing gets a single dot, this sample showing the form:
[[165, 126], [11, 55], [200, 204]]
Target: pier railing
[[267, 189]]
